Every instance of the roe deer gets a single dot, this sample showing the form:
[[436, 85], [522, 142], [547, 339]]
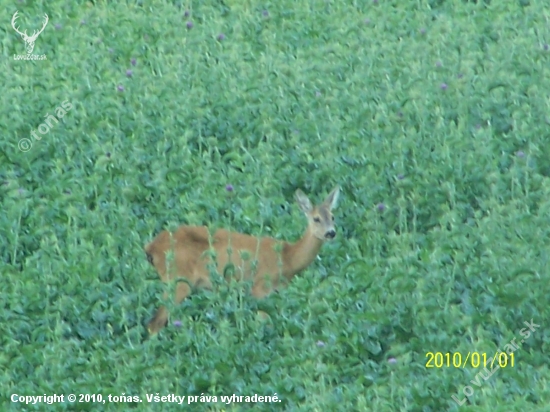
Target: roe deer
[[273, 257]]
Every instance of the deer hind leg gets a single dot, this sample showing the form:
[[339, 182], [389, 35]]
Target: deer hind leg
[[160, 319]]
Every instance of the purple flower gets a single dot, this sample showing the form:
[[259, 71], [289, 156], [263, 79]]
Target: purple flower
[[400, 176], [177, 323], [520, 154], [320, 343], [82, 22], [111, 50], [381, 207], [186, 13], [189, 25], [438, 63], [317, 93], [129, 73], [265, 13], [120, 88], [444, 86], [422, 30], [229, 187], [133, 61], [57, 26], [366, 21], [221, 37], [392, 361], [546, 47]]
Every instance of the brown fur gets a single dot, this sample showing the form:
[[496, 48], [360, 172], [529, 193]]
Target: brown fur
[[277, 261]]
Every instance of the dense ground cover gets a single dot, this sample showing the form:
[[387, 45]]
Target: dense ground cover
[[432, 116]]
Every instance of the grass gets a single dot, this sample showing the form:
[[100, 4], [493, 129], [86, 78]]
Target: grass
[[431, 115]]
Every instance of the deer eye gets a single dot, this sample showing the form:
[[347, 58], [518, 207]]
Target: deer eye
[[316, 220]]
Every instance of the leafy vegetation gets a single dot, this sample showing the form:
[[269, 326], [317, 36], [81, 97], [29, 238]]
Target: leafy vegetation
[[432, 116]]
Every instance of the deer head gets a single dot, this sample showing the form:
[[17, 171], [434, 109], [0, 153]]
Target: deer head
[[321, 221], [29, 39]]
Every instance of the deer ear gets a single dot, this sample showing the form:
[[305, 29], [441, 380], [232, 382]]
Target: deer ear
[[332, 198], [303, 201]]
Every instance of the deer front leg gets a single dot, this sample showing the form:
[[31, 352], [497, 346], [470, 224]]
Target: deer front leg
[[160, 319]]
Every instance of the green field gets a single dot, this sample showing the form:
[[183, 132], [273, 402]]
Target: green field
[[432, 116]]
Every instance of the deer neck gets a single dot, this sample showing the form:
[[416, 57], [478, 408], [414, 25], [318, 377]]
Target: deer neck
[[298, 256]]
